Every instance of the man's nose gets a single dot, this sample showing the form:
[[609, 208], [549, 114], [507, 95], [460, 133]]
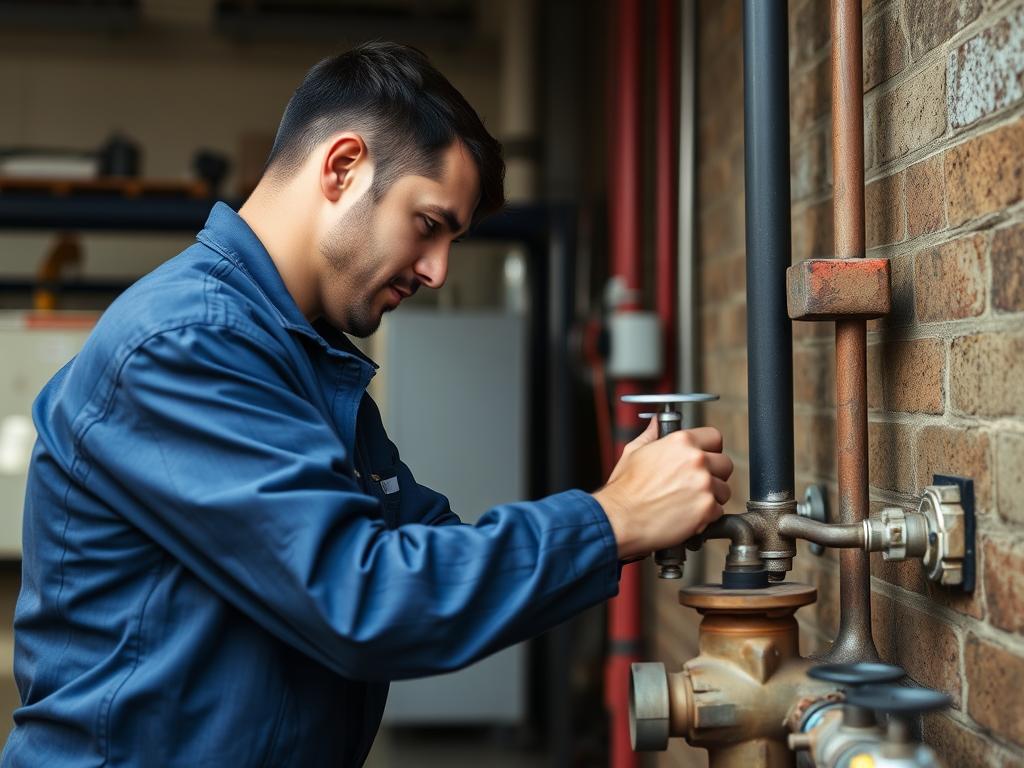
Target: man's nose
[[432, 267]]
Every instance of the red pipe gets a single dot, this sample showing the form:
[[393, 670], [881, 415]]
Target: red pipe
[[624, 623]]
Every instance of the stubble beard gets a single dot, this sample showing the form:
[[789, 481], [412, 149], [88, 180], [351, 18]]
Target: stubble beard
[[353, 256]]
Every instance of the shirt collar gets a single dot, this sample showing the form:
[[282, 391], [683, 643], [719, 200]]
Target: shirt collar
[[228, 233]]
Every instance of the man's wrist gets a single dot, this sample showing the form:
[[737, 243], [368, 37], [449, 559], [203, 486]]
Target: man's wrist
[[618, 519]]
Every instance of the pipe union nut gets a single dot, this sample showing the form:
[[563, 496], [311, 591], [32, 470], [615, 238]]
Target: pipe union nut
[[894, 526], [648, 707]]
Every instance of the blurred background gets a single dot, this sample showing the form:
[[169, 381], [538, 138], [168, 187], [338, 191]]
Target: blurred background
[[122, 120], [619, 266]]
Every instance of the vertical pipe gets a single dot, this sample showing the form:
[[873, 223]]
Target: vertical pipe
[[624, 628], [665, 197], [769, 331], [854, 641], [687, 301]]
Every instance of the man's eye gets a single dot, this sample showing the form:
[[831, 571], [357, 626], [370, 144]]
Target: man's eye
[[429, 224]]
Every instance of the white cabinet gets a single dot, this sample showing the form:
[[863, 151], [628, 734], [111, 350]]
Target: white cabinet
[[452, 390]]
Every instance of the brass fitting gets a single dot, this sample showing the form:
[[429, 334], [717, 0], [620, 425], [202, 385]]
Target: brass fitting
[[739, 697]]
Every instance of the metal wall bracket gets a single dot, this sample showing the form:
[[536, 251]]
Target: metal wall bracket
[[838, 289], [966, 492]]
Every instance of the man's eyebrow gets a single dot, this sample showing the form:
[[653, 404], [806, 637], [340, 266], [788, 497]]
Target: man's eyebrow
[[448, 216]]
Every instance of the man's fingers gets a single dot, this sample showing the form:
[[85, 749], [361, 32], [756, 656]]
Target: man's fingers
[[650, 434], [721, 490], [706, 438], [719, 465]]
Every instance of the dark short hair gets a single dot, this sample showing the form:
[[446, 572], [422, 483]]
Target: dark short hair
[[407, 112]]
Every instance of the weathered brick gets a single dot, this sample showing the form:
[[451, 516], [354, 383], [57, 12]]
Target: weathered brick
[[721, 23], [901, 284], [810, 164], [721, 231], [1008, 269], [931, 22], [926, 198], [986, 374], [954, 451], [814, 374], [731, 419], [1010, 476], [884, 211], [814, 233], [910, 373], [811, 96], [912, 114], [723, 326], [995, 679], [984, 174], [727, 375], [885, 47], [870, 117], [826, 609], [1004, 582], [811, 30], [950, 280], [958, 746], [986, 73], [814, 443], [713, 176], [891, 456], [925, 646]]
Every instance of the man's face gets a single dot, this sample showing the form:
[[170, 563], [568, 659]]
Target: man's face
[[378, 254]]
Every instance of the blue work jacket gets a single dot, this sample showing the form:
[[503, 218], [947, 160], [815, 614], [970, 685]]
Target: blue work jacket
[[225, 560]]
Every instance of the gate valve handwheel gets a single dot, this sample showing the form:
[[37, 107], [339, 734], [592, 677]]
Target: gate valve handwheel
[[903, 706], [670, 561], [857, 674], [852, 677], [898, 701]]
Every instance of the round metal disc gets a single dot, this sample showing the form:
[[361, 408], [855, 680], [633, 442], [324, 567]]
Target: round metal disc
[[860, 673], [691, 397], [713, 597], [898, 700]]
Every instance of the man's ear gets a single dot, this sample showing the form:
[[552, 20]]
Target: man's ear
[[344, 166]]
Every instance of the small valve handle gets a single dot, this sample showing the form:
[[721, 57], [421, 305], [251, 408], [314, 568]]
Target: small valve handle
[[670, 561], [898, 701], [857, 674]]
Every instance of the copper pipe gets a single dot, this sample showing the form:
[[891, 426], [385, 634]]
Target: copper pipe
[[854, 641]]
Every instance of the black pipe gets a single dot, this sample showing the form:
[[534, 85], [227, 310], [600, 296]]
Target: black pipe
[[769, 333]]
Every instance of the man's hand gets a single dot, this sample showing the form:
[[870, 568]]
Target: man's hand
[[663, 491]]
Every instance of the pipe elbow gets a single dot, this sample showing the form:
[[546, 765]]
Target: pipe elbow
[[733, 527], [849, 536]]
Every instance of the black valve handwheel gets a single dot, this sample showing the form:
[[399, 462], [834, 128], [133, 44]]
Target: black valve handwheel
[[897, 700], [857, 674]]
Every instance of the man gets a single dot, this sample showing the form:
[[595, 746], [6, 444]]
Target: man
[[225, 560]]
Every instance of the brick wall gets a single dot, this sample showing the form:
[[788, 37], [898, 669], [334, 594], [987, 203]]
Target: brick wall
[[944, 155]]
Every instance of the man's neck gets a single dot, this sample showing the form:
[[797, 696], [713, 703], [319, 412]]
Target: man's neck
[[284, 236]]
